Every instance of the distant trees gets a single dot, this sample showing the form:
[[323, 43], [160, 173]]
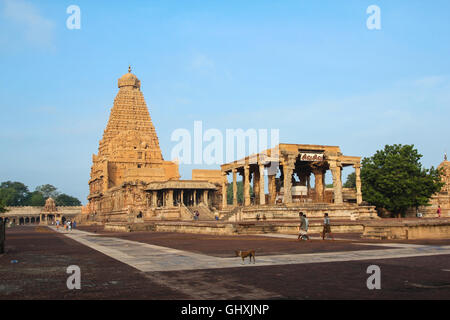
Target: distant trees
[[2, 207], [48, 191], [37, 199], [17, 194], [395, 180], [351, 181], [240, 192], [14, 193], [66, 200]]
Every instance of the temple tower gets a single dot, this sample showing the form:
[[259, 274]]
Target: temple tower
[[129, 150]]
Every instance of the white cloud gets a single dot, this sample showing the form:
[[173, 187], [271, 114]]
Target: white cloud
[[23, 25]]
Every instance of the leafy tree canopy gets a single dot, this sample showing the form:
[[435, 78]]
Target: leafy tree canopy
[[66, 200], [395, 180], [240, 192], [2, 206], [14, 193], [36, 199], [48, 191], [351, 181], [17, 194]]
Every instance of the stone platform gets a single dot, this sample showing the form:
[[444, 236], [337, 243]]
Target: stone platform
[[368, 229], [344, 211], [230, 228], [408, 229]]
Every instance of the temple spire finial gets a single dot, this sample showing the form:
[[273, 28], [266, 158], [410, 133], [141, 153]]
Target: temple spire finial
[[129, 68], [445, 156]]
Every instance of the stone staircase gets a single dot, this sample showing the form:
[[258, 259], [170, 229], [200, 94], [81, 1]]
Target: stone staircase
[[228, 214], [168, 213], [205, 213], [376, 233]]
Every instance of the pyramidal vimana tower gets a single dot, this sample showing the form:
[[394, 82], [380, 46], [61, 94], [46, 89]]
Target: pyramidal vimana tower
[[129, 174]]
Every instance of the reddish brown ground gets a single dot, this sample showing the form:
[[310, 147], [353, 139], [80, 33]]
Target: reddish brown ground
[[44, 256]]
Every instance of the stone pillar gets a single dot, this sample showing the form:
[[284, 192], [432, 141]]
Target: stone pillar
[[205, 197], [262, 194], [234, 187], [337, 182], [154, 198], [272, 189], [288, 169], [170, 198], [246, 185], [308, 183], [224, 190], [358, 183], [256, 185], [195, 197], [319, 182]]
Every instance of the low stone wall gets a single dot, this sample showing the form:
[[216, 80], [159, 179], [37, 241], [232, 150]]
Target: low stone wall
[[224, 228], [409, 230], [197, 228], [281, 212]]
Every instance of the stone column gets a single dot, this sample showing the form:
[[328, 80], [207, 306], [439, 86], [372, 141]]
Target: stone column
[[195, 197], [246, 185], [224, 190], [256, 185], [319, 182], [154, 198], [205, 197], [262, 194], [288, 169], [358, 183], [337, 182], [234, 187], [308, 183], [272, 189], [170, 199]]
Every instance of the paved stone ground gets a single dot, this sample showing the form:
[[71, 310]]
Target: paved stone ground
[[134, 269]]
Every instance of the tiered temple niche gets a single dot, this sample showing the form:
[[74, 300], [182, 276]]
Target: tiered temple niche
[[130, 180], [290, 169]]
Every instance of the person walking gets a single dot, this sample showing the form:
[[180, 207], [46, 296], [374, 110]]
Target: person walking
[[303, 228], [326, 227], [439, 210]]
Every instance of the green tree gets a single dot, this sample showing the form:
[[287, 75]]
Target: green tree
[[14, 193], [66, 200], [240, 192], [2, 206], [351, 181], [395, 180], [36, 199], [48, 191]]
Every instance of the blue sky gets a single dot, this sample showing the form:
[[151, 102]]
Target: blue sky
[[309, 68]]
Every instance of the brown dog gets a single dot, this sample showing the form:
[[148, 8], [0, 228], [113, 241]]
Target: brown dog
[[245, 254]]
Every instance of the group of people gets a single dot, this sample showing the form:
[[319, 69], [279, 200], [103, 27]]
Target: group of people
[[304, 226], [68, 225]]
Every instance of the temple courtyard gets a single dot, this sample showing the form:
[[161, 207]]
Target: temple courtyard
[[171, 265]]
